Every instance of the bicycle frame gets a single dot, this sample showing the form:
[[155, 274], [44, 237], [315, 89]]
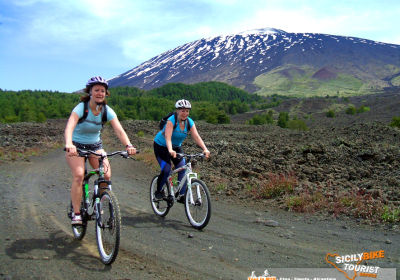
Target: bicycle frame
[[90, 205], [196, 200], [187, 178]]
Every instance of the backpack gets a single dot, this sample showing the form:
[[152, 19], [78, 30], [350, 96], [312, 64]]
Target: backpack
[[86, 112], [164, 120]]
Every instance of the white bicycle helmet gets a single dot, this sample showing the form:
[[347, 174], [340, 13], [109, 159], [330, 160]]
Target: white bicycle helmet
[[97, 81], [183, 103]]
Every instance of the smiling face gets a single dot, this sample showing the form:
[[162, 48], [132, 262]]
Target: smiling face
[[98, 93], [183, 114]]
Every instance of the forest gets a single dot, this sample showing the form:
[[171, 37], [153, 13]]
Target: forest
[[211, 101]]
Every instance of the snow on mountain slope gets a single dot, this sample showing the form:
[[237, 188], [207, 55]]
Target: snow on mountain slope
[[238, 59]]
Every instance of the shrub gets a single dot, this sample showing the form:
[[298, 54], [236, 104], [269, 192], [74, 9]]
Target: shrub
[[395, 122], [391, 215], [212, 119], [263, 119], [330, 114], [351, 110], [363, 109], [298, 125], [11, 119], [140, 134], [222, 117]]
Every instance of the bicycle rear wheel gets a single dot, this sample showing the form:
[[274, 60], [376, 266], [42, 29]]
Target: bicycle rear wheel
[[79, 231], [160, 206], [198, 209], [108, 227]]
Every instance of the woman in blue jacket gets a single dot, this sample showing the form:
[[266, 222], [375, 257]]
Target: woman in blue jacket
[[168, 142]]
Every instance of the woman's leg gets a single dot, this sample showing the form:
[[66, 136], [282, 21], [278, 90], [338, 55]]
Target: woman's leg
[[94, 162], [181, 174], [179, 162], [77, 165], [163, 159]]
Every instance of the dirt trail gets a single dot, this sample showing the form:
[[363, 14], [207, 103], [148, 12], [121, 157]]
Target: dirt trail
[[38, 243]]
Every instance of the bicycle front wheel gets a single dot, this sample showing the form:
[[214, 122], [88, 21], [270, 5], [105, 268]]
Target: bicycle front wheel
[[108, 227], [160, 206], [198, 204]]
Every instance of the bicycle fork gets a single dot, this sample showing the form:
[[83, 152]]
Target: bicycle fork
[[189, 176]]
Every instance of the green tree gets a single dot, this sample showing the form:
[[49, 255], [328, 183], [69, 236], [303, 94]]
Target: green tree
[[223, 118], [28, 114], [283, 119], [212, 119], [41, 117]]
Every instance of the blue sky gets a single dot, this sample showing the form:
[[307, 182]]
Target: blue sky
[[59, 44]]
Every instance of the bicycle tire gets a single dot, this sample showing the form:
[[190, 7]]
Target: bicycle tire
[[108, 229], [198, 214], [79, 231], [160, 206]]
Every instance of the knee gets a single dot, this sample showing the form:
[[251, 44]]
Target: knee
[[166, 169], [78, 178], [107, 175]]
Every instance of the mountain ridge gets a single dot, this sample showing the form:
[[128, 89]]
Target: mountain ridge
[[238, 59]]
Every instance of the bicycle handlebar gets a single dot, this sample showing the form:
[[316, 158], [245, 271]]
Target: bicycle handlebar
[[84, 153], [188, 156]]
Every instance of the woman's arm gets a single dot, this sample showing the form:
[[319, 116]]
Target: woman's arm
[[169, 127], [122, 136], [69, 129], [196, 137]]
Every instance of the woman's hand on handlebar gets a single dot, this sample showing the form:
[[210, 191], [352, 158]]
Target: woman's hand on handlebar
[[131, 150], [207, 153], [71, 149], [172, 153]]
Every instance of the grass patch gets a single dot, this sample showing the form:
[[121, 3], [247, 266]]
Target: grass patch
[[391, 214], [355, 204], [24, 153], [290, 80], [147, 156], [275, 185], [218, 184]]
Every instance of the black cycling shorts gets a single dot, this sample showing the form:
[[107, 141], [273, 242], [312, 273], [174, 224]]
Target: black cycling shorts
[[163, 154], [89, 147]]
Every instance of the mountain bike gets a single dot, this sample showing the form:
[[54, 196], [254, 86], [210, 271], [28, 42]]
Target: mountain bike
[[101, 205], [197, 199]]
